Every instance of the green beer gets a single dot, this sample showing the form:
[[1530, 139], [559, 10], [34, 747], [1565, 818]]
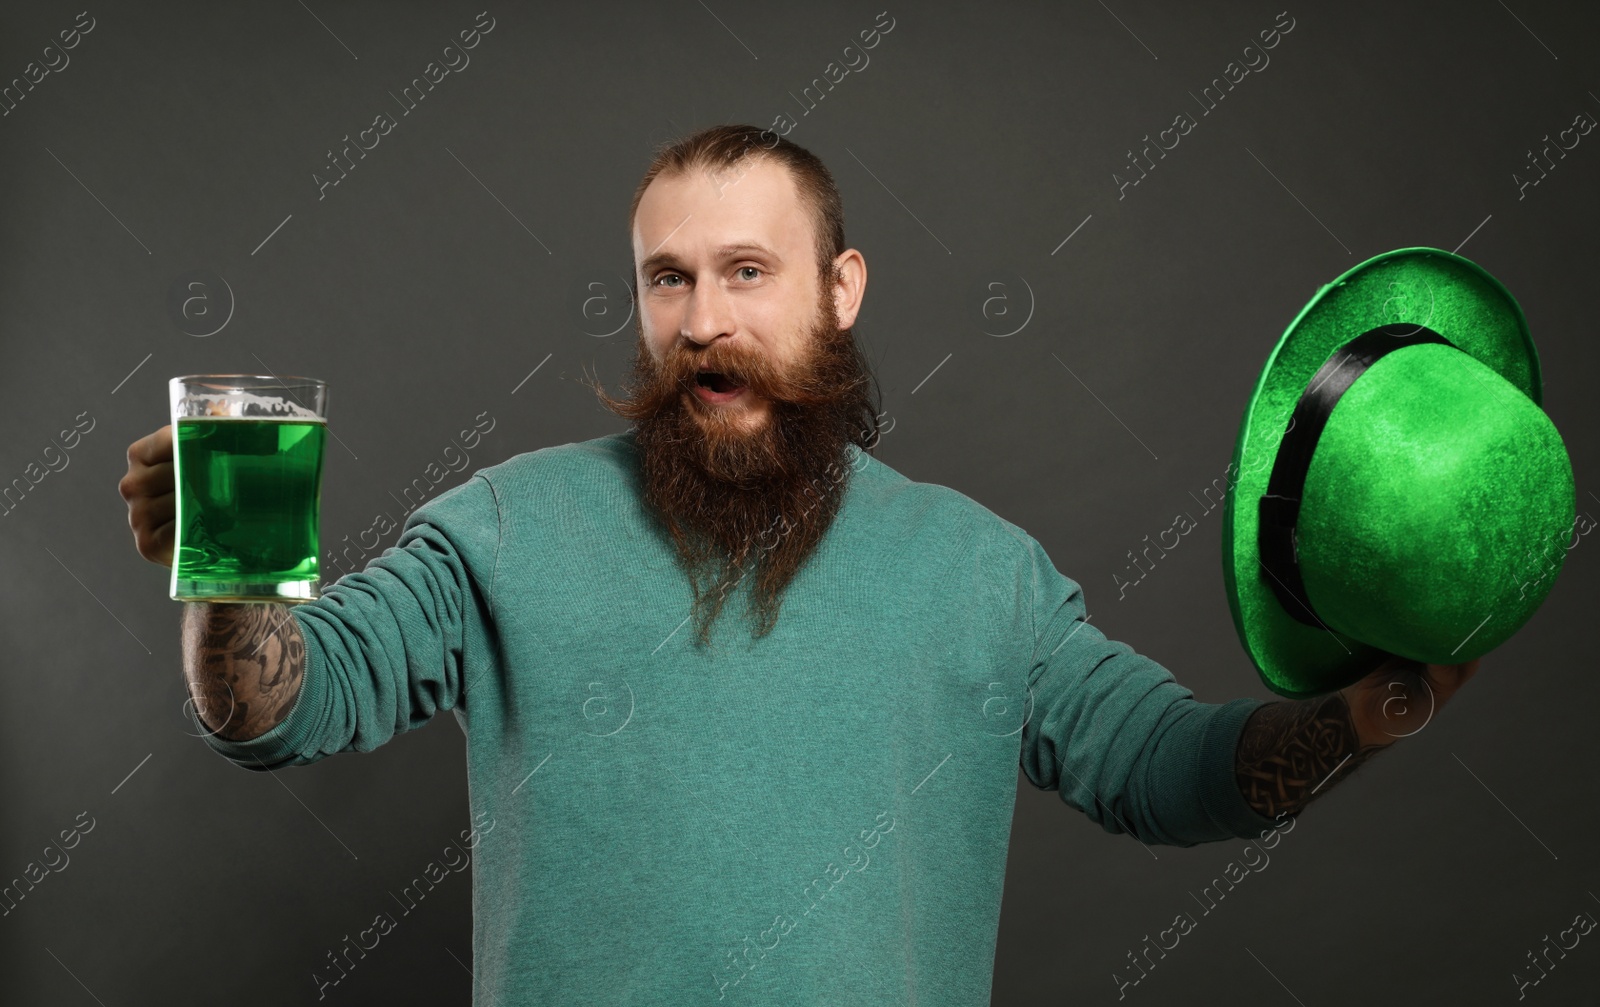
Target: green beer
[[248, 490]]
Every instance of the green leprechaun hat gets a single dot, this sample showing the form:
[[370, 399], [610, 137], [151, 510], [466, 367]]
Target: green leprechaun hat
[[1398, 488]]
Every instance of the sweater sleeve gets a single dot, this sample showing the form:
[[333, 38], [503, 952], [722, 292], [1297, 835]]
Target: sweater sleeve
[[390, 645], [1116, 734]]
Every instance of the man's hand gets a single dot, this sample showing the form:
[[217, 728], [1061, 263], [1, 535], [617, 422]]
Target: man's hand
[[1401, 696], [148, 488], [1292, 751]]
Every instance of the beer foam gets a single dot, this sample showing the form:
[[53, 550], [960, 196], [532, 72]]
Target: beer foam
[[240, 404]]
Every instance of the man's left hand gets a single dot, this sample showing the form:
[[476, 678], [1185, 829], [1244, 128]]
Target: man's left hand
[[1401, 697]]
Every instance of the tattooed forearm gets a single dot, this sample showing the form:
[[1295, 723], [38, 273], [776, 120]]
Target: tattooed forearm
[[1290, 752], [243, 664]]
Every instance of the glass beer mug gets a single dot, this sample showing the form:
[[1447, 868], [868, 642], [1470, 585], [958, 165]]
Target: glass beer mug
[[247, 463]]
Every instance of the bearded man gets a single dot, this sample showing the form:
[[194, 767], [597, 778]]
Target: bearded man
[[809, 806], [748, 385]]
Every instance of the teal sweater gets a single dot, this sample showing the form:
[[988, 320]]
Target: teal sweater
[[817, 817]]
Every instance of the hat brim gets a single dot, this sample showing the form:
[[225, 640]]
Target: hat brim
[[1425, 286]]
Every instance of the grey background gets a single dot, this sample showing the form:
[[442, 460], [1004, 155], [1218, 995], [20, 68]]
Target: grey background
[[443, 271]]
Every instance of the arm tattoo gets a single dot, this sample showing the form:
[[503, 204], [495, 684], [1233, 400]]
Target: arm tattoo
[[243, 664], [1292, 751]]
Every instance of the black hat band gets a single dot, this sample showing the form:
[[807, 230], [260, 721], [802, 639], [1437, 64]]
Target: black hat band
[[1280, 506]]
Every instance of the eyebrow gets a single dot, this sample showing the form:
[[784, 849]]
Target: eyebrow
[[659, 259]]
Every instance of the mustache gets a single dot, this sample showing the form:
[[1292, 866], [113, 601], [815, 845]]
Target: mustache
[[753, 372], [828, 370], [825, 373]]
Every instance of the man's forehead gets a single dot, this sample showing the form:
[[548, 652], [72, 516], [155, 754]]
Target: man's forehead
[[752, 203]]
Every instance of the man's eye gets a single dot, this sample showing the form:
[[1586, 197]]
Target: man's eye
[[752, 269], [667, 276]]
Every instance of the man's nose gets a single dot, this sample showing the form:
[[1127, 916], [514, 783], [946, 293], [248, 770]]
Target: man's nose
[[709, 315]]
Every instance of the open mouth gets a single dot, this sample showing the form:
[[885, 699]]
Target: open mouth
[[717, 382]]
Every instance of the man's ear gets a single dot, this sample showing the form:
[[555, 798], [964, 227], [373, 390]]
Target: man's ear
[[851, 286]]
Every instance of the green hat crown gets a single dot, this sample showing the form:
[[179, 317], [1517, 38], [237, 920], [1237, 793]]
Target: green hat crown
[[1401, 490]]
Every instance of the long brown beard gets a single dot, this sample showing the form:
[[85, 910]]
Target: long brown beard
[[736, 502]]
